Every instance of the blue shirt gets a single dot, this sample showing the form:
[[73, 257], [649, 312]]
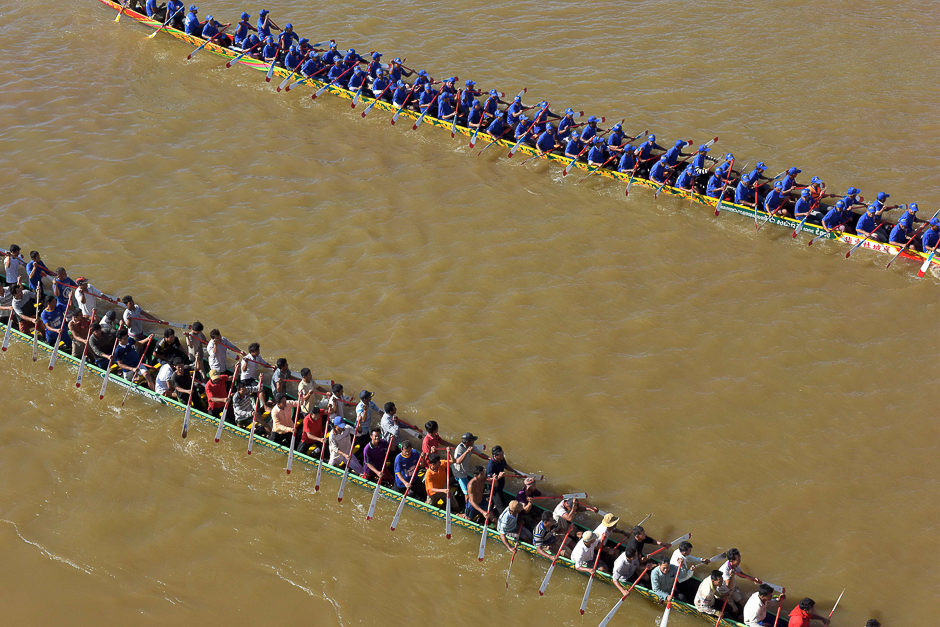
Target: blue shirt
[[209, 30], [269, 51], [400, 94], [490, 105], [263, 29], [286, 39], [249, 42], [34, 281], [545, 142], [898, 234], [65, 290], [788, 183], [672, 156], [374, 68], [336, 72], [404, 466], [310, 67], [615, 138], [574, 146], [722, 170], [173, 6], [241, 30], [627, 161], [494, 467], [379, 85], [645, 149], [427, 96], [330, 56], [658, 172], [444, 108], [835, 217], [151, 7], [564, 127], [394, 73], [866, 223], [496, 127], [774, 200], [523, 129], [700, 160], [850, 201], [687, 177], [588, 133], [715, 184], [513, 111], [751, 177], [292, 60], [474, 116], [930, 238], [357, 80], [802, 207], [743, 192], [597, 154], [126, 354], [191, 25], [54, 318]]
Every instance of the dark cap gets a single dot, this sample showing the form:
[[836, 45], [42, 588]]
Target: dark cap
[[365, 394], [469, 437]]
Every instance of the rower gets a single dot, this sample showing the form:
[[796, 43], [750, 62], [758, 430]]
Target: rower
[[709, 591], [78, 328], [686, 179], [174, 8], [730, 570], [379, 84], [305, 47], [490, 104], [265, 24], [574, 147], [242, 28], [427, 95], [404, 466], [904, 229], [211, 31], [566, 125], [604, 531], [192, 25], [807, 208], [583, 554], [644, 153], [514, 111], [331, 55], [639, 540], [460, 467], [628, 160], [269, 51], [802, 614], [931, 237], [851, 198], [134, 318], [526, 494], [755, 610], [589, 132], [389, 423], [449, 86], [12, 263], [62, 286], [422, 79], [498, 126], [251, 47], [475, 115], [546, 542], [880, 206], [789, 181], [435, 483], [338, 74], [615, 139], [245, 409], [565, 511], [469, 95], [597, 155], [155, 11], [542, 116], [100, 346], [837, 218], [396, 70], [352, 57], [286, 39], [510, 528], [169, 348], [716, 183], [547, 141], [475, 508], [660, 172], [445, 107], [401, 93], [217, 391], [746, 191], [341, 440], [217, 350], [523, 129], [36, 269], [373, 457], [25, 306], [672, 155], [293, 58], [184, 386], [497, 467], [865, 227], [311, 437], [375, 65], [312, 66], [281, 376], [53, 318], [775, 199], [686, 585], [250, 364], [364, 415], [358, 79], [700, 161], [127, 358], [725, 166], [661, 578]]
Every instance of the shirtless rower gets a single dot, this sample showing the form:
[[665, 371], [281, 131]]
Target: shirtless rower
[[476, 505]]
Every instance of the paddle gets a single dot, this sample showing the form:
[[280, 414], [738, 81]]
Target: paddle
[[228, 399], [305, 79], [780, 607], [81, 364], [123, 6], [251, 429], [352, 445], [317, 93], [571, 164], [270, 72], [673, 167], [495, 141], [453, 126], [55, 349], [535, 121], [632, 174], [404, 496], [860, 243], [316, 486], [291, 75], [833, 607], [421, 117], [447, 498], [378, 481], [725, 605], [724, 189], [926, 264], [594, 169], [6, 333], [140, 363], [239, 57], [916, 233], [107, 371], [207, 42], [189, 405], [377, 98], [629, 535], [162, 26], [551, 568], [36, 335], [616, 607], [678, 540], [175, 325], [665, 620], [563, 497], [293, 438], [587, 590], [486, 520], [403, 103], [770, 214], [514, 549]]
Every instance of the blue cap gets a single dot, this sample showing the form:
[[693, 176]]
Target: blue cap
[[852, 191], [288, 25], [246, 15], [617, 127], [597, 139], [550, 129], [470, 83], [517, 99], [295, 48], [269, 39], [332, 44], [569, 111], [592, 120], [543, 104], [935, 222], [338, 421], [450, 80], [400, 83], [912, 207], [703, 148], [350, 51], [376, 55], [651, 138], [209, 18], [805, 193], [193, 8], [679, 143], [729, 157], [871, 208], [760, 166], [840, 204], [816, 180], [778, 185], [794, 171], [338, 62], [882, 196], [422, 73], [523, 118], [396, 60], [427, 87], [263, 12], [476, 103]]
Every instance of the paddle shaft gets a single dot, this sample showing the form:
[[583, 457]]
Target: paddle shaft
[[610, 614], [352, 446], [58, 340], [81, 365], [165, 22], [514, 549], [665, 621], [587, 590], [293, 437], [486, 520], [378, 480], [107, 371], [851, 250], [404, 495], [228, 399], [548, 575], [143, 354]]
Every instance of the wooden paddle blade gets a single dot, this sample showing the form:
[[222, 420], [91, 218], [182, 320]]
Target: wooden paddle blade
[[610, 614], [545, 581], [587, 593], [665, 621]]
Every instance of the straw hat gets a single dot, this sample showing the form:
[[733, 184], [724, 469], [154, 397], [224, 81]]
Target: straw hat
[[610, 520], [588, 537]]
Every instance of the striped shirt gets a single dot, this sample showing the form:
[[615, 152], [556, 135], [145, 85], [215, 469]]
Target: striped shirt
[[543, 537]]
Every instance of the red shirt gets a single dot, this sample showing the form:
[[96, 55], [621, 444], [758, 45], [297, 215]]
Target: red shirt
[[219, 389], [799, 618], [313, 426], [431, 441]]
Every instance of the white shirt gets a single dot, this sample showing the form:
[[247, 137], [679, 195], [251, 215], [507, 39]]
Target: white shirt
[[685, 571], [13, 270], [754, 611], [726, 573], [602, 532], [163, 378], [90, 302], [134, 327], [624, 568], [340, 442], [557, 514], [217, 354], [389, 428], [582, 555], [250, 367]]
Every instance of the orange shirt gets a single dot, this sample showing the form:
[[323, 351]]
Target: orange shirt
[[799, 618], [436, 480]]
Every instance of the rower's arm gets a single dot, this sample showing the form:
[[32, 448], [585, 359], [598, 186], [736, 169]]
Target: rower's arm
[[543, 552], [502, 537]]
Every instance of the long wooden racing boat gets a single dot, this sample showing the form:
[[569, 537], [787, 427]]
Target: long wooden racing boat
[[702, 199], [353, 478]]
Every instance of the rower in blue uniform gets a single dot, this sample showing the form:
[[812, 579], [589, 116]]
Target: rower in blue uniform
[[242, 29], [286, 39], [566, 125], [427, 95], [331, 55], [312, 66], [305, 47], [357, 79], [338, 74], [837, 218], [722, 169], [174, 8], [687, 178], [265, 24], [614, 140], [701, 162], [904, 229], [380, 83], [396, 71], [269, 51], [155, 11], [775, 199], [807, 207], [547, 141], [597, 155], [375, 65], [352, 58], [498, 127], [660, 171], [192, 25], [629, 159], [523, 129], [445, 106], [645, 156], [514, 111], [851, 197], [590, 130], [449, 87], [251, 44], [745, 193], [868, 224], [293, 58], [212, 31], [574, 147], [880, 206], [541, 118], [470, 93], [672, 155], [789, 181], [475, 116], [930, 240], [490, 105]]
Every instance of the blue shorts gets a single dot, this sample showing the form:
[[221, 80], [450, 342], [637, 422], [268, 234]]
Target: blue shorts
[[463, 483]]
